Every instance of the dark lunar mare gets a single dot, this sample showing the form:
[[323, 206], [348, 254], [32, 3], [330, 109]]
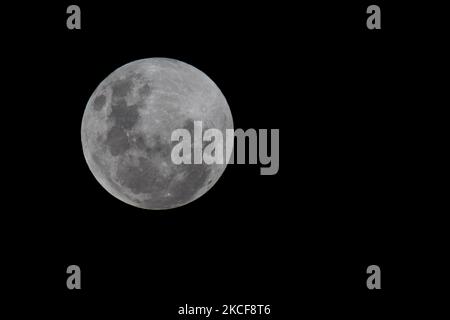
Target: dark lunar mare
[[123, 117], [144, 178], [144, 91], [147, 179], [121, 88], [99, 102]]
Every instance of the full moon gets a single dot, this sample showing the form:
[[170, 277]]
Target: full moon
[[127, 126]]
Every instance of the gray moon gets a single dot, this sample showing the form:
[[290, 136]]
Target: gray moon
[[127, 125]]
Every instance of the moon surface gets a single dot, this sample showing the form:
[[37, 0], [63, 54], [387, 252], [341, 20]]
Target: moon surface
[[127, 126]]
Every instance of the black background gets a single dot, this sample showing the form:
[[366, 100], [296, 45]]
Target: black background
[[345, 197]]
